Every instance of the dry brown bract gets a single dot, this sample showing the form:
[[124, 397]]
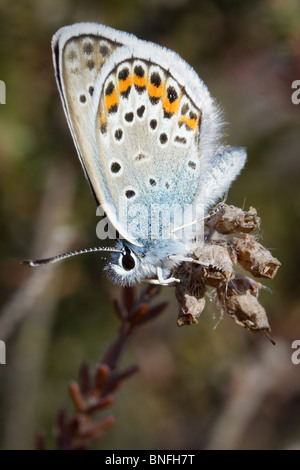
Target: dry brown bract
[[230, 219], [235, 294]]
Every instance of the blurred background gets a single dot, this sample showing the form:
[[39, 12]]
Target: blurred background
[[198, 387]]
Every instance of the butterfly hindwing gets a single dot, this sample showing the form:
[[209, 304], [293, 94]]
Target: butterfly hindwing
[[144, 124], [147, 132]]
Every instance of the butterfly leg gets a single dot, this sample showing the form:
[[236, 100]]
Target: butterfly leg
[[160, 279]]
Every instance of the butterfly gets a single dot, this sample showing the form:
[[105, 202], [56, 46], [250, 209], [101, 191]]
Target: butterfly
[[148, 133]]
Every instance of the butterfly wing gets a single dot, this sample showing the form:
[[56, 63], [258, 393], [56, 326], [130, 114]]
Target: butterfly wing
[[218, 172], [144, 124]]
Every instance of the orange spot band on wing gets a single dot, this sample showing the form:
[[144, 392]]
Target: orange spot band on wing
[[192, 123], [111, 100], [139, 81], [171, 107], [154, 91], [125, 84]]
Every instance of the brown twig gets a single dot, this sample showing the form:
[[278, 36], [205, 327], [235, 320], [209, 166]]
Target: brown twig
[[94, 390]]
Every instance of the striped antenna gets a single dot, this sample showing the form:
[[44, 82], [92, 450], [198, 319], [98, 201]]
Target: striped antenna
[[55, 259]]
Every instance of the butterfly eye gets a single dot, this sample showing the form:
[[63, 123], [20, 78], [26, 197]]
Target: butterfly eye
[[128, 262]]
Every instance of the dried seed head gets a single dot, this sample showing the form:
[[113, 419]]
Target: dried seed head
[[191, 302], [239, 300], [241, 284], [220, 268], [236, 294], [254, 257], [230, 219]]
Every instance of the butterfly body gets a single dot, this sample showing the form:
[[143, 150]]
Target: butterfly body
[[148, 134]]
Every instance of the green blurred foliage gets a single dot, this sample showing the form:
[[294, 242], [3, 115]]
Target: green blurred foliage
[[248, 54]]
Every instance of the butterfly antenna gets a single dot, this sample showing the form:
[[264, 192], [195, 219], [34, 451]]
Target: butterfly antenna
[[55, 259]]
